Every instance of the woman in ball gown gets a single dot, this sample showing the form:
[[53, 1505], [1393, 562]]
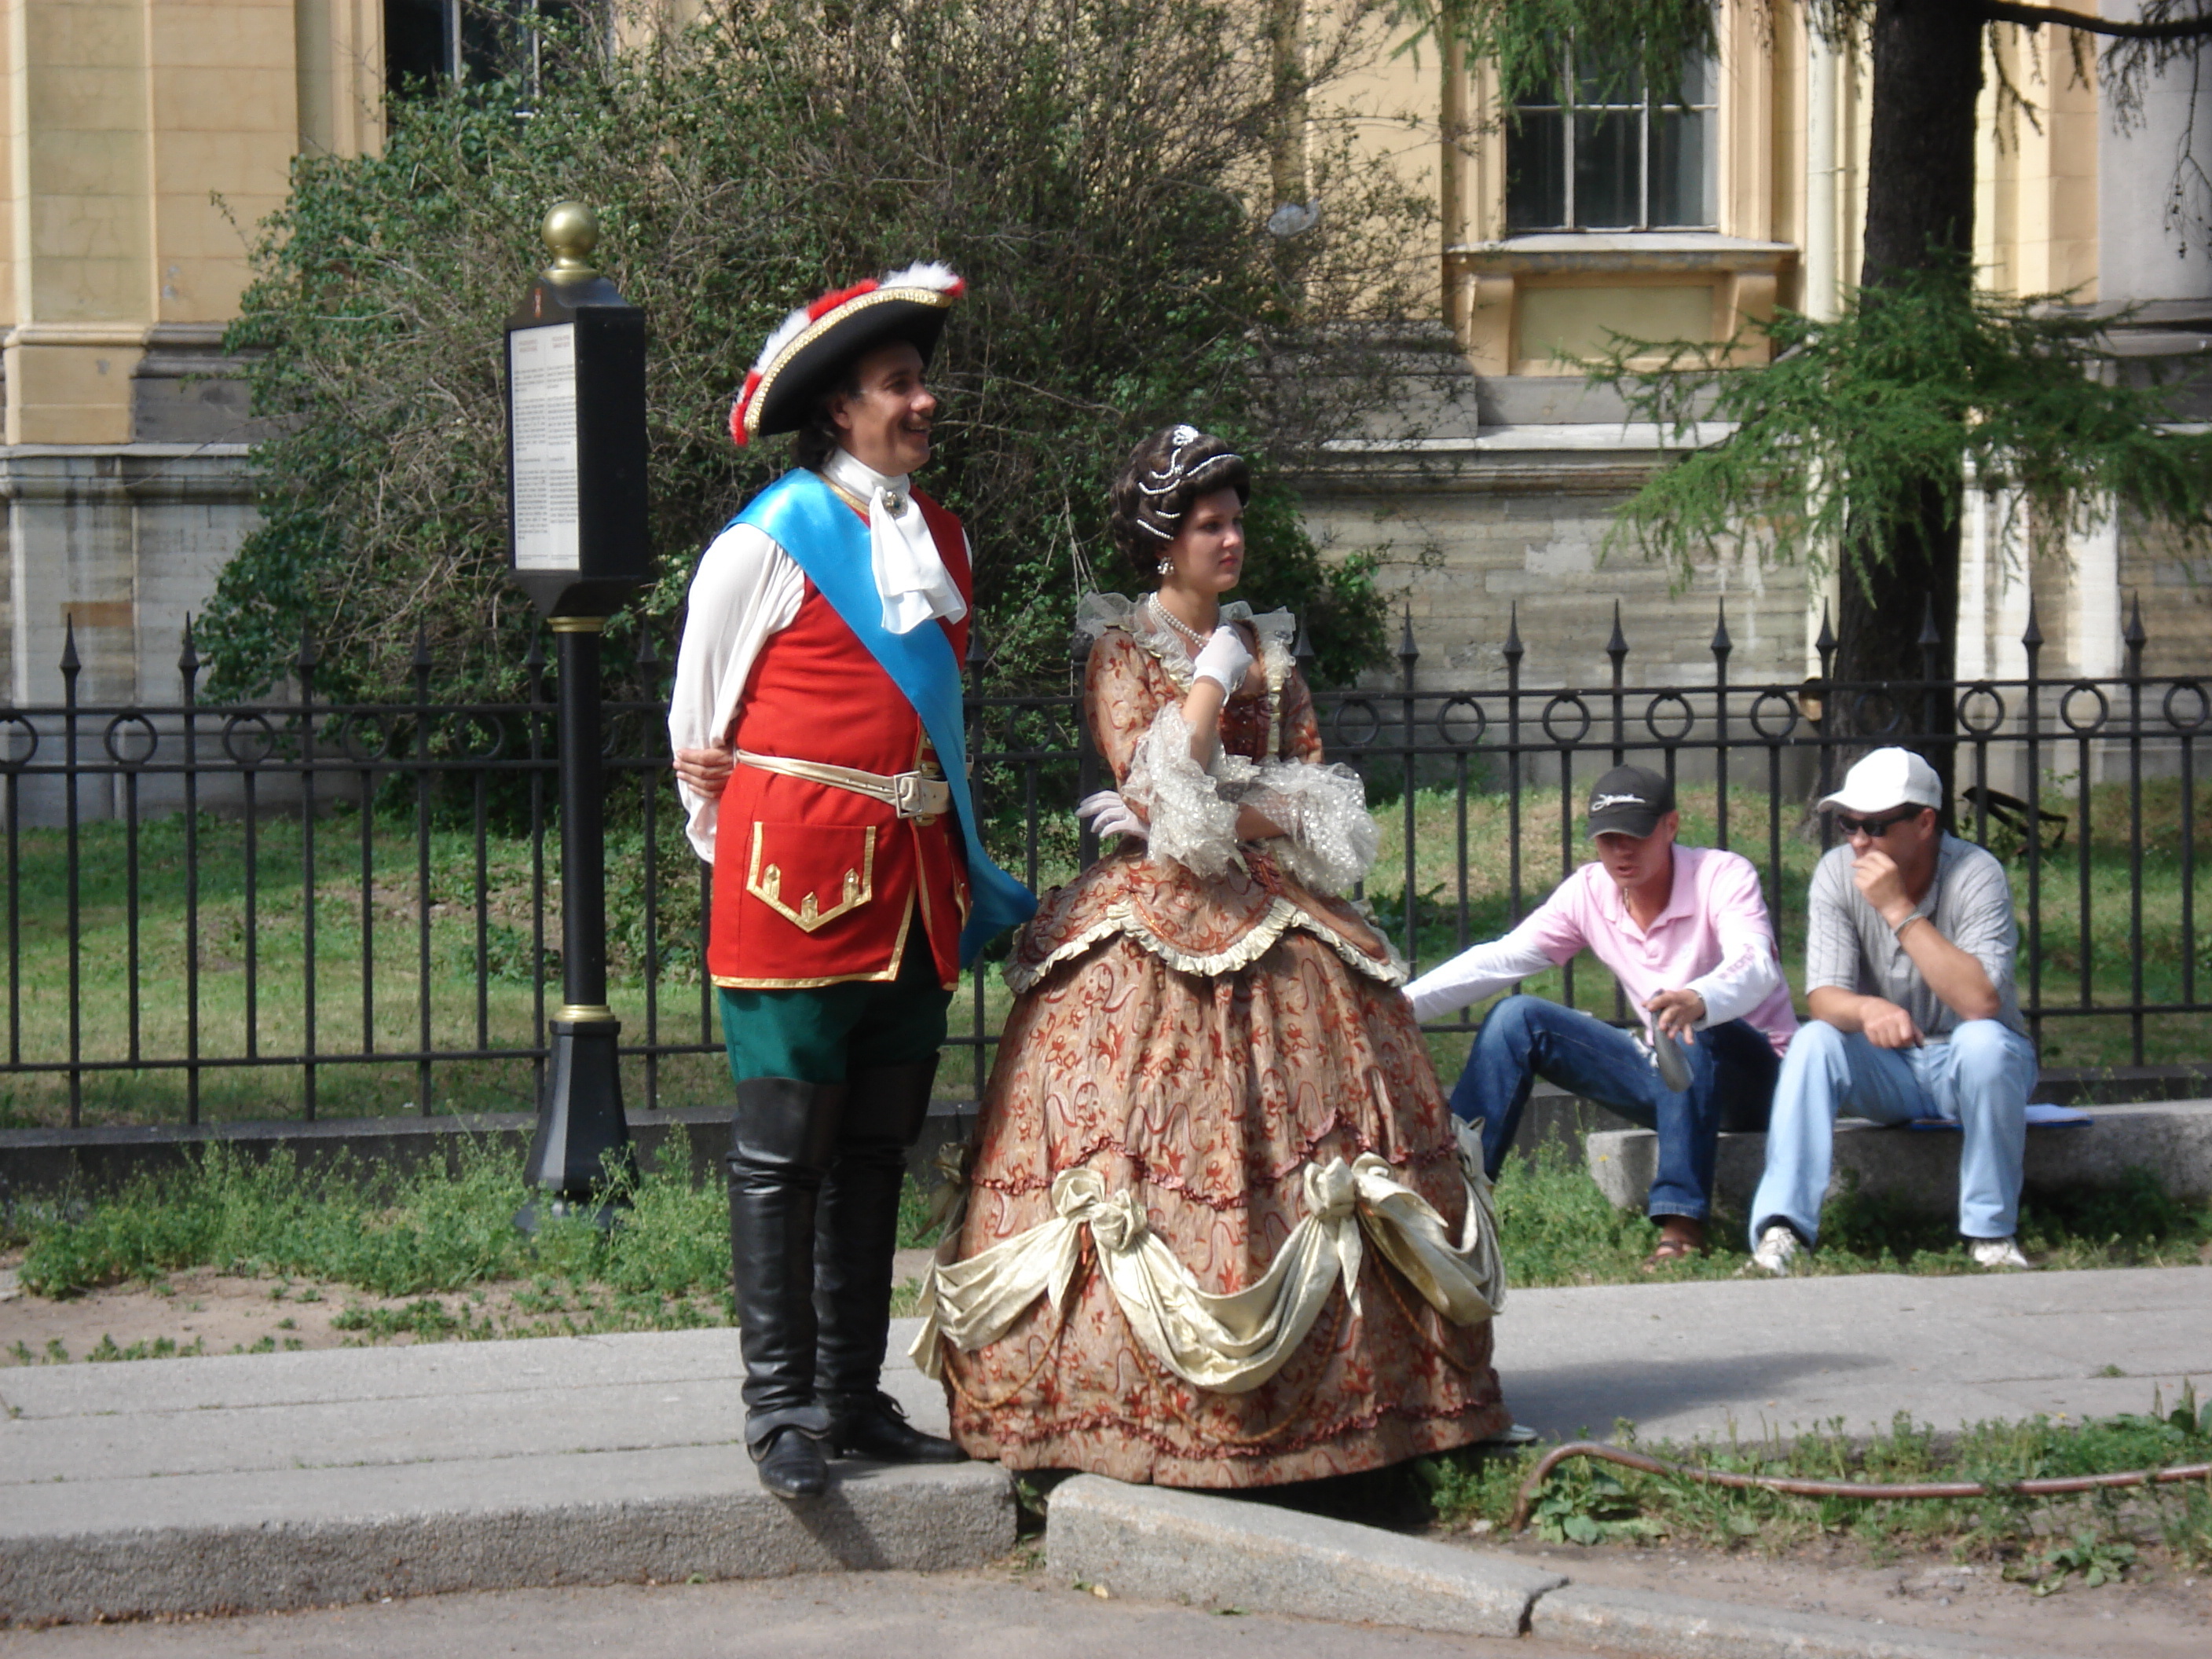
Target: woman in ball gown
[[1219, 1228]]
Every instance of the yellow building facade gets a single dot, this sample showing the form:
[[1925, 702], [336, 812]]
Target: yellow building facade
[[1565, 224], [141, 140]]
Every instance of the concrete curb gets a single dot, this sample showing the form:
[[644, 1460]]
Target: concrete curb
[[1655, 1626], [270, 1540], [1172, 1546], [1209, 1551]]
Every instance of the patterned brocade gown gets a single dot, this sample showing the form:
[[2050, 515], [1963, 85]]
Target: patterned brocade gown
[[1195, 1039]]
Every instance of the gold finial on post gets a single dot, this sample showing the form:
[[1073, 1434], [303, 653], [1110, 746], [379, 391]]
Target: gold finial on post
[[571, 231]]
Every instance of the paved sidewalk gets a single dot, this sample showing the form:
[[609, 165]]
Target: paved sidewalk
[[1750, 1355], [276, 1480]]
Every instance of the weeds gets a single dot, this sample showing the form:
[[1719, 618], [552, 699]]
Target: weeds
[[2048, 1542], [418, 1236], [2098, 1560]]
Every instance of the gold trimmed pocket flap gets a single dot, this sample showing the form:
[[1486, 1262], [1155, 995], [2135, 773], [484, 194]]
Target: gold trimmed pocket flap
[[811, 874]]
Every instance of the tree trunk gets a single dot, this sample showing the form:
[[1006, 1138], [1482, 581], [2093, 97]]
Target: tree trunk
[[1920, 215]]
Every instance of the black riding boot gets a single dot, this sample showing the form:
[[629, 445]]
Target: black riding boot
[[857, 1236], [780, 1146]]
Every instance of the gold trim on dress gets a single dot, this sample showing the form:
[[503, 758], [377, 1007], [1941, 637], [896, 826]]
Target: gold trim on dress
[[1283, 916]]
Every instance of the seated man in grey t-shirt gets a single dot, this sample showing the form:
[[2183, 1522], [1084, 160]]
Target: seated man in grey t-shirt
[[1909, 948]]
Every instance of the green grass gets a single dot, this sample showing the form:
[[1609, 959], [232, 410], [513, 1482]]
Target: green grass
[[420, 1235], [2052, 1543], [425, 1236]]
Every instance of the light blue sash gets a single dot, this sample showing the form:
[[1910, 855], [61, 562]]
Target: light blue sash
[[826, 538]]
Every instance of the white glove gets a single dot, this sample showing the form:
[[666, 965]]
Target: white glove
[[1110, 815], [1223, 659]]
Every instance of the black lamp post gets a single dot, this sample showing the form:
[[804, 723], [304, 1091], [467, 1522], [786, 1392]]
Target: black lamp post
[[577, 545]]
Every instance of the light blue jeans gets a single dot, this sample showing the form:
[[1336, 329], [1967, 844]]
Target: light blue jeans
[[1979, 1079]]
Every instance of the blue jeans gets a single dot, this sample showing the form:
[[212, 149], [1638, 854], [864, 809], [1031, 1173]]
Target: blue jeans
[[1979, 1078], [1732, 1070]]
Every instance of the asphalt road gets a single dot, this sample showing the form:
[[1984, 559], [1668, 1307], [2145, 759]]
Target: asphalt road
[[988, 1614]]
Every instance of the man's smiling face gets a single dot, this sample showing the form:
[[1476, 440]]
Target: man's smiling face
[[885, 425]]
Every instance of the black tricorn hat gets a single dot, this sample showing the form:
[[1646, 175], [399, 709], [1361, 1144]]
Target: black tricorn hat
[[815, 342]]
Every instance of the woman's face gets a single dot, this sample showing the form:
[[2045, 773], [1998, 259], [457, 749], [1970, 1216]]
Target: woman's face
[[1208, 554]]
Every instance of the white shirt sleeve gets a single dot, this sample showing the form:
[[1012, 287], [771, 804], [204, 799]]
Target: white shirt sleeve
[[745, 591], [1480, 970]]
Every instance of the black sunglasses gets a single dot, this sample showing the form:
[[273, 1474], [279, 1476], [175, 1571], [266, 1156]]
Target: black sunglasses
[[1875, 828]]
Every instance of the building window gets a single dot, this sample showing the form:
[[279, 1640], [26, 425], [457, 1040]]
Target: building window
[[1601, 154], [427, 42]]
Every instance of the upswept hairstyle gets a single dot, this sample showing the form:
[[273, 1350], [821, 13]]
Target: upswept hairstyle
[[1164, 474]]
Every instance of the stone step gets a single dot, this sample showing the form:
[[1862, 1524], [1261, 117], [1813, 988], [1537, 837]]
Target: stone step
[[1918, 1169], [266, 1482]]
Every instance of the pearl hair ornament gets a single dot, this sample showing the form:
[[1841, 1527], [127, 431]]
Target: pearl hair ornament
[[1161, 481], [1164, 481]]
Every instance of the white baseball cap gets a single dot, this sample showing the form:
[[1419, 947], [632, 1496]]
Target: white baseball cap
[[1885, 778]]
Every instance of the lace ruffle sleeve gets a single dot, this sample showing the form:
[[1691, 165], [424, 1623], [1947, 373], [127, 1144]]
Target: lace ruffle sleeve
[[1329, 839], [1192, 813]]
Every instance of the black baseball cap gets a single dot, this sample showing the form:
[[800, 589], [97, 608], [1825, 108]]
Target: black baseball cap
[[1629, 800]]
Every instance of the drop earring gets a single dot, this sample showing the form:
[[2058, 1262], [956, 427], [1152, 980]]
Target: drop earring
[[1167, 567]]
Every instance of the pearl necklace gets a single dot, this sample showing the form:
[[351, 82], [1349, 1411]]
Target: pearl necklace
[[1176, 622]]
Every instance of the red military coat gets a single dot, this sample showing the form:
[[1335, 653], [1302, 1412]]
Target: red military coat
[[817, 886]]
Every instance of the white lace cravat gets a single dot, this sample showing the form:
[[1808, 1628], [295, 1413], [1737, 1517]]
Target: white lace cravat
[[910, 577]]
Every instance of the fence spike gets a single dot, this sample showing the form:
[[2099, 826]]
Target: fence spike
[[1722, 643], [534, 659], [1617, 646], [188, 660], [2134, 636], [2032, 635], [1930, 634], [70, 661], [1825, 642], [648, 655], [1408, 653], [1303, 652], [975, 657], [1513, 649], [422, 662], [308, 656]]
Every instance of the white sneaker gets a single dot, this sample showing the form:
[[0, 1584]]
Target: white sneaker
[[1998, 1255], [1777, 1253]]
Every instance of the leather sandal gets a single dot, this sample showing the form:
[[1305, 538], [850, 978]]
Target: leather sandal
[[1677, 1246]]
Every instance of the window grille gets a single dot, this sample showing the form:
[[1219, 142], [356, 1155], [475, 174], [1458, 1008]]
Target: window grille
[[1600, 153]]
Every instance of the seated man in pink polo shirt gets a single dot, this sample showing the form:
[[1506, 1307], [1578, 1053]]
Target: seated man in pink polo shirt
[[1683, 929]]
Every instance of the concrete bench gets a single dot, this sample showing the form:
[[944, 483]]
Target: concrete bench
[[1919, 1169]]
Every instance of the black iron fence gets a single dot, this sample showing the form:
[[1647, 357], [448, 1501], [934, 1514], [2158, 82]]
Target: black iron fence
[[298, 907]]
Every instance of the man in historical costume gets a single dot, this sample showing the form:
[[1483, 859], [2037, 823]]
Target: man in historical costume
[[1909, 945], [1684, 931], [816, 726]]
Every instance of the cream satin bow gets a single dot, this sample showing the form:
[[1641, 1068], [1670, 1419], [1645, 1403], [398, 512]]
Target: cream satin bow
[[1234, 1342]]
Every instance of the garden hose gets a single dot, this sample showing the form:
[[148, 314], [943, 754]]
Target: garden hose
[[2045, 1488]]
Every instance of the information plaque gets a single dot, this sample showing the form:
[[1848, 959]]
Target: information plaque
[[541, 366], [578, 540]]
